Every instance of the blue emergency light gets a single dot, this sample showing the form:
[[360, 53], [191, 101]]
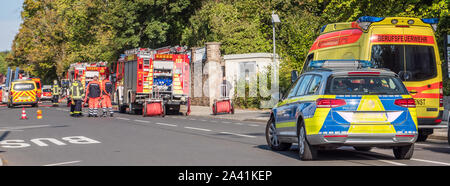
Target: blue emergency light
[[430, 20], [340, 64], [370, 19]]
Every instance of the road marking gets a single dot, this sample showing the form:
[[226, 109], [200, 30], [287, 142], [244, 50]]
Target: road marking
[[142, 121], [193, 128], [429, 161], [24, 127], [385, 161], [238, 123], [63, 163], [242, 135], [123, 118], [213, 121], [253, 125], [166, 124], [6, 130], [226, 122]]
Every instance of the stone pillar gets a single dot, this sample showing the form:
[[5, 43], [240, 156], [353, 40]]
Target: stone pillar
[[213, 71]]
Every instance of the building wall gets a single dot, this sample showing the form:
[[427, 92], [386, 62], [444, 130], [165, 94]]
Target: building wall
[[236, 66]]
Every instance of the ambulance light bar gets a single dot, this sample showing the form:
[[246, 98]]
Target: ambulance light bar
[[432, 21], [365, 21]]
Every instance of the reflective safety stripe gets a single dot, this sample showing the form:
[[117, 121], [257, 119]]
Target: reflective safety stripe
[[285, 124], [76, 91]]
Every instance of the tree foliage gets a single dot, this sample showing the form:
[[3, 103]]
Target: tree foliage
[[55, 33]]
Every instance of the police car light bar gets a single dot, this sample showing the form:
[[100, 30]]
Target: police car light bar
[[339, 64], [365, 21]]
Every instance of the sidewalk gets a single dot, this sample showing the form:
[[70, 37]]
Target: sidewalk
[[262, 116]]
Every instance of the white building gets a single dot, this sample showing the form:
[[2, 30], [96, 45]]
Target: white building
[[245, 67]]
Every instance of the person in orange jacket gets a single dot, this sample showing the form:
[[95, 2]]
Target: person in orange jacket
[[93, 91], [107, 88]]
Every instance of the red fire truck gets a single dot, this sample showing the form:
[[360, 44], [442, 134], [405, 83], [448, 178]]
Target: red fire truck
[[87, 71], [151, 83]]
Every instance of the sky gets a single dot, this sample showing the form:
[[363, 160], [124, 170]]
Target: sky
[[9, 22]]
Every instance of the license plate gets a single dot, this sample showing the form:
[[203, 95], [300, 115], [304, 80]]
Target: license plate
[[368, 117], [420, 102], [24, 97]]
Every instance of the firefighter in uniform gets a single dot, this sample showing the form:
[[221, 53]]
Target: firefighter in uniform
[[107, 87], [93, 91], [55, 92], [76, 97]]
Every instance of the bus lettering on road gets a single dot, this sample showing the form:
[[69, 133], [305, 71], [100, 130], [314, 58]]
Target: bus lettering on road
[[43, 142]]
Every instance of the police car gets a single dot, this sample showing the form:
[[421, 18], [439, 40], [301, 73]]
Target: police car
[[363, 108]]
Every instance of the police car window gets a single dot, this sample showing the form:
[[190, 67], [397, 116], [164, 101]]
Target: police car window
[[303, 85], [314, 86], [370, 85], [294, 87]]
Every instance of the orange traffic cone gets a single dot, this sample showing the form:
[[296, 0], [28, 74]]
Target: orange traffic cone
[[24, 114], [39, 114]]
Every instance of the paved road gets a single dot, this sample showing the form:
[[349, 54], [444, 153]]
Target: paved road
[[58, 139]]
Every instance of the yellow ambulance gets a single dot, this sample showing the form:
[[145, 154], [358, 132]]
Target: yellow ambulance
[[404, 45], [23, 92]]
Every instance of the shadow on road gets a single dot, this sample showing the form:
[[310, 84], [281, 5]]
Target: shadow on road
[[344, 154], [4, 135], [444, 150]]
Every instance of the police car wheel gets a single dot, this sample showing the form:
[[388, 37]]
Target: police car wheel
[[272, 138], [404, 152], [305, 150]]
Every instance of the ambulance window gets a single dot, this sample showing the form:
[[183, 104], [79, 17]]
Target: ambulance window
[[308, 60], [23, 86], [410, 62]]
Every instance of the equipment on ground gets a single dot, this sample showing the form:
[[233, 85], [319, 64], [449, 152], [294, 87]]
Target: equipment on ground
[[24, 114]]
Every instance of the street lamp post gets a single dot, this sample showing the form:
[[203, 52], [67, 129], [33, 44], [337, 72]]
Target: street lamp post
[[275, 19]]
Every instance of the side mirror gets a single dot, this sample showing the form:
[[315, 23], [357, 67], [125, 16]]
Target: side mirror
[[294, 76]]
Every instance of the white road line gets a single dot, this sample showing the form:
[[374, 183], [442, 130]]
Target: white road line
[[142, 121], [193, 128], [242, 135], [166, 124], [429, 161], [385, 161], [24, 127], [4, 130], [238, 123], [252, 125], [202, 120], [123, 118], [226, 122], [63, 163]]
